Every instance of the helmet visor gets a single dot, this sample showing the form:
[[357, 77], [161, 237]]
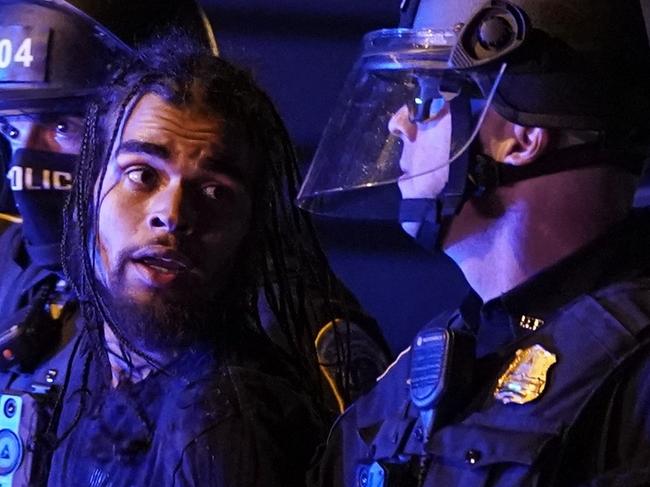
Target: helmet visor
[[398, 96]]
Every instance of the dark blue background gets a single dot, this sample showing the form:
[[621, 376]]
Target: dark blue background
[[300, 51]]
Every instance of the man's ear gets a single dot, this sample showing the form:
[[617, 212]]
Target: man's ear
[[528, 144]]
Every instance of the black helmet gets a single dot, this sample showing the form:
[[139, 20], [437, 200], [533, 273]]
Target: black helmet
[[566, 64], [582, 65], [61, 50], [585, 64], [55, 53]]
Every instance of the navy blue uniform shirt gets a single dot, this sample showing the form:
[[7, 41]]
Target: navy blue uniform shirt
[[589, 426]]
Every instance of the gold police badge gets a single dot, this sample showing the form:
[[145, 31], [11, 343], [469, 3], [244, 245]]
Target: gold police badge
[[525, 378]]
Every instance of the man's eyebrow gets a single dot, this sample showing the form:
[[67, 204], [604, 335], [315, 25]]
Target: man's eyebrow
[[227, 166], [138, 146]]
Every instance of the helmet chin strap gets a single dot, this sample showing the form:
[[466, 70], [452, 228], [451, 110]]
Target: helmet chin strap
[[487, 174], [473, 174]]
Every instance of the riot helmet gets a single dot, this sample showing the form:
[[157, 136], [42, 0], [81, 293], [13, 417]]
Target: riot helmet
[[56, 50], [577, 64], [54, 55]]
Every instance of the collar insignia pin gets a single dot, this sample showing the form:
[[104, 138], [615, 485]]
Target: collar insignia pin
[[525, 378], [530, 323]]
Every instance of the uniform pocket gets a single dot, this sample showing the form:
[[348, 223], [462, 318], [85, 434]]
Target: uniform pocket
[[477, 455]]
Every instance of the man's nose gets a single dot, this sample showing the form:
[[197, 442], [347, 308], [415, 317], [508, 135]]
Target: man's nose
[[172, 211], [401, 126]]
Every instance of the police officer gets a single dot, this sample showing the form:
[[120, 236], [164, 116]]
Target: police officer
[[54, 55], [514, 131]]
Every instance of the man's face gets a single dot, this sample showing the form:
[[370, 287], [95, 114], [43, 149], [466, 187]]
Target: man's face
[[174, 207]]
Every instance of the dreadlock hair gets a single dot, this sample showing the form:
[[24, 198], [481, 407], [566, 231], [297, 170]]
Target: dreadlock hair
[[281, 256]]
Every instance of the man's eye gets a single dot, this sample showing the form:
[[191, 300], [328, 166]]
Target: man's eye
[[214, 191], [141, 176]]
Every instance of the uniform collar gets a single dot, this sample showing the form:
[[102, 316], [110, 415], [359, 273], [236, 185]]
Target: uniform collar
[[619, 254]]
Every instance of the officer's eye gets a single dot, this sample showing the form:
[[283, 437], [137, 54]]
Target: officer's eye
[[142, 176], [68, 126], [9, 130], [62, 127]]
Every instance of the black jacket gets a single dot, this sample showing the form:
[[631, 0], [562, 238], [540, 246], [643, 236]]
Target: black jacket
[[203, 421], [588, 425]]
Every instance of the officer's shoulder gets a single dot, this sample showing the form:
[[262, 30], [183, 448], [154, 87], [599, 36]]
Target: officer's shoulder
[[626, 301], [393, 384], [272, 398], [11, 236], [632, 390], [387, 396]]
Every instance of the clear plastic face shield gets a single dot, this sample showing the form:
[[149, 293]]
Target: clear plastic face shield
[[398, 144], [398, 126]]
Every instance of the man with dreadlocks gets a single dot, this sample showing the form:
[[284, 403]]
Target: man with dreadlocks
[[57, 54], [171, 230]]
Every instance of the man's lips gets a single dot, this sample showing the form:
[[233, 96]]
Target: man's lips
[[160, 265]]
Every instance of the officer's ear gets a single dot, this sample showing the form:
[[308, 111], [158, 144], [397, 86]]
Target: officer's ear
[[526, 144], [508, 142]]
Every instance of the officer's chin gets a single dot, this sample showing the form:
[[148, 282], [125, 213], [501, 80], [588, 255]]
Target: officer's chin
[[411, 228]]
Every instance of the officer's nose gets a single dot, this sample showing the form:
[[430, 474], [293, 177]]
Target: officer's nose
[[172, 210], [401, 126], [32, 134]]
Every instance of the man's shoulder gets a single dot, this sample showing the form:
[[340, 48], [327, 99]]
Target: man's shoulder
[[247, 425], [227, 390], [256, 392]]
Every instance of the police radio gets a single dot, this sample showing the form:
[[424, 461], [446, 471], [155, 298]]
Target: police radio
[[440, 380], [19, 452], [32, 332], [442, 365]]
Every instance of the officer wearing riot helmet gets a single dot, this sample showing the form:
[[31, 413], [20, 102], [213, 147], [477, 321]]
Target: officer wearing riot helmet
[[514, 132], [54, 56]]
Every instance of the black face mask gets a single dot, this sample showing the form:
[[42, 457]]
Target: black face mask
[[40, 182]]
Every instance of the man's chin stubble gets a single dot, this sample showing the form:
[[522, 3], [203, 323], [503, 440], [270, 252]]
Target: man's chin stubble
[[164, 322]]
